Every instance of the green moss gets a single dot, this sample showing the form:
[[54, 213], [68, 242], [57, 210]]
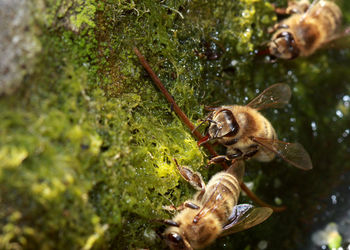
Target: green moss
[[75, 15], [88, 141], [85, 15]]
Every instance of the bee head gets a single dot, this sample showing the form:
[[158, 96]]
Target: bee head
[[283, 46], [223, 124], [189, 235], [176, 241]]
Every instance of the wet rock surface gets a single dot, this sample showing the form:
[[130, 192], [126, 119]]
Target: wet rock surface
[[87, 140], [18, 44]]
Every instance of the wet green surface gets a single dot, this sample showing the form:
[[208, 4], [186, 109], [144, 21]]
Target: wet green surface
[[87, 141]]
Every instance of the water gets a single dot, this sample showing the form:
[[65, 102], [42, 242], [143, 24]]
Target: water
[[335, 217]]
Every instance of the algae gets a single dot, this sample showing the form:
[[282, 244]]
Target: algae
[[87, 141]]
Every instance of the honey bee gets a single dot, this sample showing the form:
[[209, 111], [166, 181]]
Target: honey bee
[[213, 212], [310, 27], [246, 133]]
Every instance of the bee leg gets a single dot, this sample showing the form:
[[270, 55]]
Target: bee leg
[[277, 26], [280, 11], [284, 10], [223, 158], [170, 208], [194, 178], [251, 153], [166, 222], [293, 8], [191, 205], [218, 159], [186, 204]]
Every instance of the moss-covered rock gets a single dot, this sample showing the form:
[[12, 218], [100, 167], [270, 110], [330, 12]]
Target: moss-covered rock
[[87, 141]]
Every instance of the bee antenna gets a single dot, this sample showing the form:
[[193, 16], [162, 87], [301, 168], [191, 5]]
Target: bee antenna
[[203, 121], [200, 124], [166, 222]]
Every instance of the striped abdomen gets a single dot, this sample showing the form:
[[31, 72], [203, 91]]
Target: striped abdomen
[[328, 16], [317, 26], [268, 131], [221, 196]]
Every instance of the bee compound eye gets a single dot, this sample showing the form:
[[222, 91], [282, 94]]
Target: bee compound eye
[[174, 237], [231, 126], [289, 37]]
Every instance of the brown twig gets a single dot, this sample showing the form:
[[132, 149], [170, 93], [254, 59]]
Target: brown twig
[[165, 92], [189, 124], [256, 199]]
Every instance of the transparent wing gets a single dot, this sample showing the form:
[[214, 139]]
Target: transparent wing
[[249, 217], [274, 96], [311, 6], [293, 153], [340, 40], [220, 191], [214, 202]]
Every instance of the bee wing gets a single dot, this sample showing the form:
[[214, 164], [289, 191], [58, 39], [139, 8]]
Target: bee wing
[[216, 199], [341, 40], [245, 216], [293, 153], [274, 96], [308, 11]]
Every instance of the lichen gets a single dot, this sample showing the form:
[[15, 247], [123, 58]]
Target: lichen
[[87, 142]]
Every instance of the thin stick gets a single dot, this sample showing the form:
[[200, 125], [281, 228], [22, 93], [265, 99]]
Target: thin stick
[[165, 92], [191, 127], [256, 199]]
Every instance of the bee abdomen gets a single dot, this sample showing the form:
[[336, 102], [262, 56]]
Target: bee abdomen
[[328, 15], [224, 187], [269, 131], [224, 182]]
